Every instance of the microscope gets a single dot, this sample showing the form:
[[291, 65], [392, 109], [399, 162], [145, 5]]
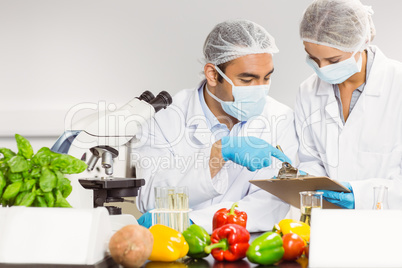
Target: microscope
[[108, 136]]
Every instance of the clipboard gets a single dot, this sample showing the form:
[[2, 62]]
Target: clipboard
[[288, 189]]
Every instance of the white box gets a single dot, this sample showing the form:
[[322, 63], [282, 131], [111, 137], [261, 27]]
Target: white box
[[53, 235], [355, 238]]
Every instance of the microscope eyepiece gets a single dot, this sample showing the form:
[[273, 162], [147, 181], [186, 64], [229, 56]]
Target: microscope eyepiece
[[161, 101], [146, 96]]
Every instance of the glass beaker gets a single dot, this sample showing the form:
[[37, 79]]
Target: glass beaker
[[380, 197], [308, 201]]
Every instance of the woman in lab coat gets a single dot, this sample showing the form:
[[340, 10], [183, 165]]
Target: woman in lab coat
[[348, 114]]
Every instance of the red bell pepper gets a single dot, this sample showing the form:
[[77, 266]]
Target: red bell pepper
[[225, 216], [229, 243]]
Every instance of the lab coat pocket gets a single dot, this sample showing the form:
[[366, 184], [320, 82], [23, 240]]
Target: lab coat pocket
[[379, 165]]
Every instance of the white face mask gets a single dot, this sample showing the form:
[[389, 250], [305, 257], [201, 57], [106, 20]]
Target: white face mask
[[338, 72], [249, 101]]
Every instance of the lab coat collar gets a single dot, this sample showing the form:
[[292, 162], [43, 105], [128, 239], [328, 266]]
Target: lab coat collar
[[195, 115], [323, 88], [375, 82], [376, 74], [196, 119], [332, 110]]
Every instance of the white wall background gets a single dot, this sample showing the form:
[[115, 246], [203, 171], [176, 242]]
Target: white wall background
[[55, 54]]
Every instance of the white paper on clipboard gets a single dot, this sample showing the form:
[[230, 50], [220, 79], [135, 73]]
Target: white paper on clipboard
[[288, 189]]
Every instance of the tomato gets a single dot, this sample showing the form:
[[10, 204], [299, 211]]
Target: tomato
[[293, 245]]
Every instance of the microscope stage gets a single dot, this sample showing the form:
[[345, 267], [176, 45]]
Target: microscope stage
[[111, 183]]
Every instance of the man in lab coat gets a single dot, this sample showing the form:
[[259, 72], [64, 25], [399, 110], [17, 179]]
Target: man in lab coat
[[218, 136]]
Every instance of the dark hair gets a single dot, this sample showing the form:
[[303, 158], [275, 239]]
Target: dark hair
[[222, 67]]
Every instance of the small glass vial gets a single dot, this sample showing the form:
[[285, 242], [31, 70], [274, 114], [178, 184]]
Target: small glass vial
[[380, 197], [308, 201]]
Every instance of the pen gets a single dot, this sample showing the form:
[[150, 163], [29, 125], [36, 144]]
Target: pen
[[279, 148]]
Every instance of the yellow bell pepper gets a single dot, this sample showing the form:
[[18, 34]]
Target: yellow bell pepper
[[169, 244], [292, 226]]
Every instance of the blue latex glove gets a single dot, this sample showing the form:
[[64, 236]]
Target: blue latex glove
[[301, 172], [145, 220], [344, 200], [251, 152]]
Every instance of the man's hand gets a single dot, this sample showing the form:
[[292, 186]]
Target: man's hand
[[216, 161], [251, 152]]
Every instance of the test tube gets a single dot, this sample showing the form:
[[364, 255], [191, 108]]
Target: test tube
[[172, 207], [380, 197], [182, 201], [165, 206], [161, 197], [158, 205]]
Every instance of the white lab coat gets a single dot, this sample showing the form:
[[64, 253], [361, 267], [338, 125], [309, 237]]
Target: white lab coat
[[175, 151], [367, 150]]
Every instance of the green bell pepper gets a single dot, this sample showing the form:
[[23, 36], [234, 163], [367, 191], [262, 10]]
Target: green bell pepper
[[197, 239], [266, 249]]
